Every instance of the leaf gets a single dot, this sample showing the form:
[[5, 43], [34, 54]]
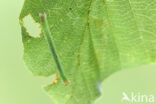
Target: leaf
[[93, 38]]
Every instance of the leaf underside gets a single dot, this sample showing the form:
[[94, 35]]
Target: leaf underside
[[93, 38]]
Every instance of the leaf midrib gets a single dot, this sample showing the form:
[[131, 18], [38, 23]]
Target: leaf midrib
[[78, 57]]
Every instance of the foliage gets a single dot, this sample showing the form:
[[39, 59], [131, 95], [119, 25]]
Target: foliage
[[93, 38]]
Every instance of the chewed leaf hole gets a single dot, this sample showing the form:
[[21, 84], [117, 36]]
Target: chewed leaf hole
[[32, 27]]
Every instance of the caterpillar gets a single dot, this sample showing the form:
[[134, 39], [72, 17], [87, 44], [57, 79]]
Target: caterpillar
[[49, 38]]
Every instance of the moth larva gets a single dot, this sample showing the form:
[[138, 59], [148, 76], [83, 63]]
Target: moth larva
[[48, 37]]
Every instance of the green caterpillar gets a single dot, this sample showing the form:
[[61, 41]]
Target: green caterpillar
[[48, 37]]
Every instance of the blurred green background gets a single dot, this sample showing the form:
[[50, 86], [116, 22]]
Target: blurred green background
[[19, 86]]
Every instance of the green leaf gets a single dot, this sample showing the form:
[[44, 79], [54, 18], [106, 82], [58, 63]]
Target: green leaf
[[93, 38]]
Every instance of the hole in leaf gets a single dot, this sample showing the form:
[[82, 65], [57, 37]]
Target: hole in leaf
[[33, 28]]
